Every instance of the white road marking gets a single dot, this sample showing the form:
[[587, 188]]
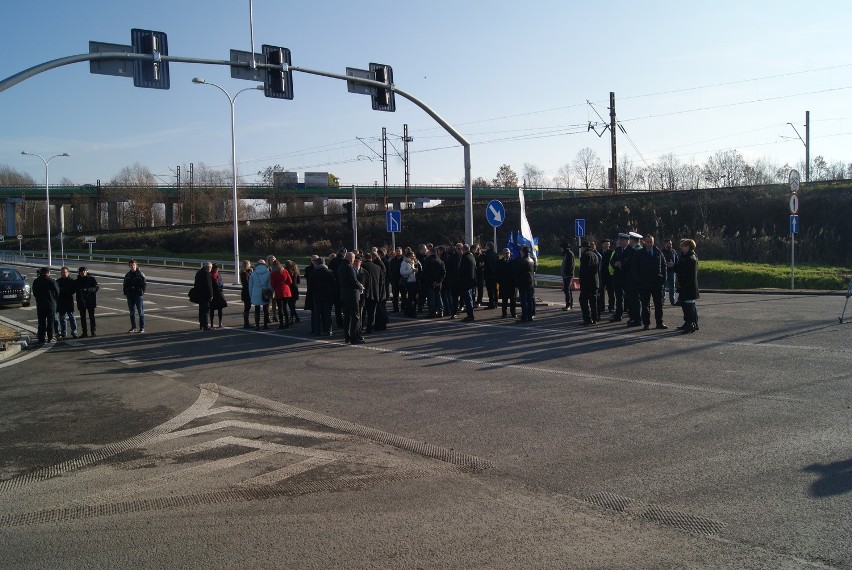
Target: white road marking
[[168, 373], [99, 351]]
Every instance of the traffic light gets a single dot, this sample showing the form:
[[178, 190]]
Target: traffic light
[[279, 82], [383, 100], [350, 222], [151, 74]]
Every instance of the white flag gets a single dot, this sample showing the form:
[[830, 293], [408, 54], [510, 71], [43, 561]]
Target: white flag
[[525, 225]]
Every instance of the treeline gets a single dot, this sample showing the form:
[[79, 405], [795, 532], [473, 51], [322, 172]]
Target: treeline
[[745, 224]]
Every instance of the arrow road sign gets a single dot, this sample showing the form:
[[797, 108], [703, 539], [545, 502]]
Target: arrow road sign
[[495, 213], [794, 224], [580, 227], [393, 220]]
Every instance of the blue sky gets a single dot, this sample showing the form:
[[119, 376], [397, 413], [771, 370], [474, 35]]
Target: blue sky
[[690, 78]]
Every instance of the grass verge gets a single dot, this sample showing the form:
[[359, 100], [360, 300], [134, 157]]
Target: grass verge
[[723, 274]]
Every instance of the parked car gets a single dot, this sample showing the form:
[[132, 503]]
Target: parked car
[[14, 287]]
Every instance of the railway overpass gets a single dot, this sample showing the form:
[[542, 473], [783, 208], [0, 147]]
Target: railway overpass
[[87, 201]]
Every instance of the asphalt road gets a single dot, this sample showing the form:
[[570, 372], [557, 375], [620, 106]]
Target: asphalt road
[[438, 444]]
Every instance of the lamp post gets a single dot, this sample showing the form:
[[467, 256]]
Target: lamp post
[[231, 100], [47, 196]]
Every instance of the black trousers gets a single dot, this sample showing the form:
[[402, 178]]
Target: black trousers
[[352, 319], [589, 304], [46, 318], [91, 322], [657, 295], [491, 287], [507, 296]]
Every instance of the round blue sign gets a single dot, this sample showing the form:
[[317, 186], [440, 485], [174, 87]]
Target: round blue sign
[[495, 213]]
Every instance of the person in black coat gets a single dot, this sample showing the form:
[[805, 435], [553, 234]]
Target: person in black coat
[[397, 290], [589, 283], [524, 268], [434, 273], [46, 293], [202, 293], [65, 303], [632, 304], [87, 289], [373, 291], [321, 284], [449, 288], [489, 269], [350, 296], [567, 274], [606, 294], [334, 265], [651, 272], [619, 276], [686, 268], [466, 278], [506, 282], [245, 295]]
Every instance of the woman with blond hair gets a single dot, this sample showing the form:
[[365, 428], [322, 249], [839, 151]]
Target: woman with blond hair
[[686, 269]]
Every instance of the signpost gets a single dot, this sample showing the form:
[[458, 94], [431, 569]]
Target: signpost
[[90, 240], [393, 221], [795, 179], [495, 213], [20, 242], [580, 227]]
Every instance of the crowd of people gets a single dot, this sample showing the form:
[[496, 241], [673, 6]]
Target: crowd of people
[[629, 277], [55, 304], [353, 289]]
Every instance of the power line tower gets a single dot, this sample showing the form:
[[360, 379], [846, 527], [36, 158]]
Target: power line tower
[[385, 164], [405, 140], [613, 173]]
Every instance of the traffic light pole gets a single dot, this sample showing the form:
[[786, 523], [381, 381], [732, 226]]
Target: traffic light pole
[[53, 64]]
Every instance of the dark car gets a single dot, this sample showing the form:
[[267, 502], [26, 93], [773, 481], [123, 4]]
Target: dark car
[[14, 287]]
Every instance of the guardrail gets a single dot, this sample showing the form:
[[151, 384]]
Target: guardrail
[[148, 260]]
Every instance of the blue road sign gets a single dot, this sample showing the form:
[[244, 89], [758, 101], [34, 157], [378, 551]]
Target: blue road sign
[[580, 227], [495, 213], [393, 220], [794, 224]]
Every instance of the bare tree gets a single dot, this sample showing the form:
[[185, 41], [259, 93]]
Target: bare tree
[[534, 176], [725, 168], [628, 174], [506, 177], [587, 166], [563, 178], [135, 189]]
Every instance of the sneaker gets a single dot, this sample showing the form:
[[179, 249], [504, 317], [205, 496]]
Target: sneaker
[[141, 330], [74, 335], [132, 331]]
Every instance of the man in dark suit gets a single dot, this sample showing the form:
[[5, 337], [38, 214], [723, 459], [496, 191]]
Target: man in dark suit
[[373, 291], [651, 271], [350, 296], [322, 285], [202, 290], [589, 283], [46, 293]]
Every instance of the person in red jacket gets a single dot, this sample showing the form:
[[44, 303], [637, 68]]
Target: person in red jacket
[[280, 280]]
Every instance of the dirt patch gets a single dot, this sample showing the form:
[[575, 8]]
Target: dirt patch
[[8, 334]]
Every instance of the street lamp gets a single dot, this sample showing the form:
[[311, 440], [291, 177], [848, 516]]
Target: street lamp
[[47, 196], [231, 100]]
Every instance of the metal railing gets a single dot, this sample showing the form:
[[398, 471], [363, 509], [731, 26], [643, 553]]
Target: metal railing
[[149, 260]]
